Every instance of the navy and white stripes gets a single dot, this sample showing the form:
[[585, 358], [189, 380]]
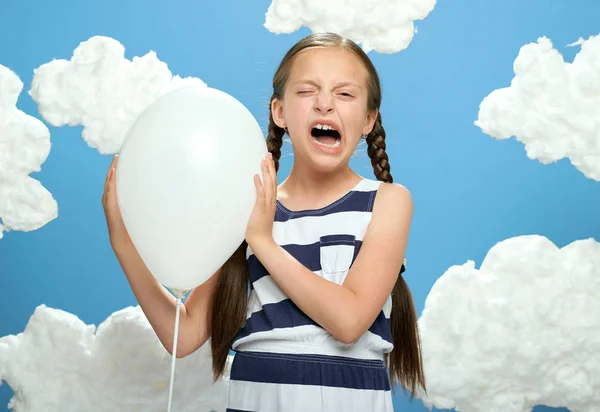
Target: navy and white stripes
[[284, 361], [326, 241], [268, 382]]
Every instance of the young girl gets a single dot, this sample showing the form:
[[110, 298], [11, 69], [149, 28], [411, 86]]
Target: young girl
[[329, 323]]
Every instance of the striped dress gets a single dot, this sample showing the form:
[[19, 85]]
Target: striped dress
[[284, 361]]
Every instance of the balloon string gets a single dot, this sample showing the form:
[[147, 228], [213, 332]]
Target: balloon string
[[179, 294], [174, 357]]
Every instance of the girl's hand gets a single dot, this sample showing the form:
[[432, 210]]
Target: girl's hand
[[119, 237], [260, 223]]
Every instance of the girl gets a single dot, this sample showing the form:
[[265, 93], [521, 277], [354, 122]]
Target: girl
[[329, 323]]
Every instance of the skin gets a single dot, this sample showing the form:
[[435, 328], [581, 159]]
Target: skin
[[314, 91], [330, 84], [156, 302], [349, 309]]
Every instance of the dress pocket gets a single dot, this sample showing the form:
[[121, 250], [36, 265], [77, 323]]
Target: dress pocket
[[337, 255]]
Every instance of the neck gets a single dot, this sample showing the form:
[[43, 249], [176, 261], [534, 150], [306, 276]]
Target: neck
[[311, 185]]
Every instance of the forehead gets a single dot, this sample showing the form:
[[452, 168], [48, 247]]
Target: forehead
[[328, 64]]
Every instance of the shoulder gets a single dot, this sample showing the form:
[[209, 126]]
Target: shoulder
[[392, 197], [392, 210]]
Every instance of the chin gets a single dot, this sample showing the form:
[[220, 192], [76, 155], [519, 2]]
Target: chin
[[327, 163]]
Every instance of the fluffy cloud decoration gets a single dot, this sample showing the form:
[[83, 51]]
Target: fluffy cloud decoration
[[386, 26], [102, 90], [521, 331], [25, 204], [61, 364], [551, 106]]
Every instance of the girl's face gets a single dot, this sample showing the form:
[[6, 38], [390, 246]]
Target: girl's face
[[324, 106]]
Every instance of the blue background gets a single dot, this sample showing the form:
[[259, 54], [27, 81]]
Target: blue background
[[470, 190]]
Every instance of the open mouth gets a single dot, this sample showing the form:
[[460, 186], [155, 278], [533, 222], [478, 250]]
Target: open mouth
[[326, 135]]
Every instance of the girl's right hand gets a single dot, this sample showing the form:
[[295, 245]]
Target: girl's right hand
[[119, 238]]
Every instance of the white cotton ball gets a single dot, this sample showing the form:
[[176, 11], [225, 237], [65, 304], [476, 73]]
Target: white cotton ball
[[25, 204], [551, 106], [102, 90], [386, 26], [521, 331], [43, 365], [58, 363]]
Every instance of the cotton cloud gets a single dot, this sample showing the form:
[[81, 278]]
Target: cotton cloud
[[102, 90], [551, 106], [521, 331], [386, 26], [25, 204], [61, 364]]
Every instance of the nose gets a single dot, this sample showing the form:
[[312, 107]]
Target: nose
[[323, 103]]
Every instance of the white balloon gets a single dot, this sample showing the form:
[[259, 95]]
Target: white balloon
[[185, 182]]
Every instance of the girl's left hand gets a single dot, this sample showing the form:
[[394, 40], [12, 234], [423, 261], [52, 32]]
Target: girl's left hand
[[260, 223]]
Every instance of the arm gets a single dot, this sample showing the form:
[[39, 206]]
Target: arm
[[348, 310], [156, 302], [159, 305]]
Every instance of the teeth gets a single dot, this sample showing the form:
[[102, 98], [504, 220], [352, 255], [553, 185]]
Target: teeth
[[333, 146], [324, 127]]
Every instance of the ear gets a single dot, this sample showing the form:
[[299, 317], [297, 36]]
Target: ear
[[277, 112], [370, 121]]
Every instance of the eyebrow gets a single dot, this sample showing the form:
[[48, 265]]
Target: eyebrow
[[341, 84]]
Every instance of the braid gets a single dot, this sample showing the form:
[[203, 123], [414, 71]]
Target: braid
[[274, 140], [405, 364], [376, 150], [230, 299]]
